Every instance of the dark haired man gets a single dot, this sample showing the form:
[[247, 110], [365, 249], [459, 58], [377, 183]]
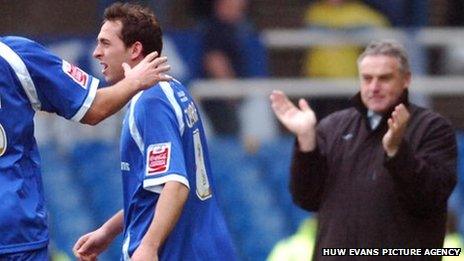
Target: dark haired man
[[170, 211]]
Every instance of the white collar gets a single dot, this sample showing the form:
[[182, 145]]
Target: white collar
[[374, 119]]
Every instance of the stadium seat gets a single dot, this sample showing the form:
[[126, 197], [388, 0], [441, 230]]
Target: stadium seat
[[97, 168], [69, 218], [249, 202]]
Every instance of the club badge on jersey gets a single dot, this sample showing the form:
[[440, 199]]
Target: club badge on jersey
[[3, 140], [158, 158], [76, 74]]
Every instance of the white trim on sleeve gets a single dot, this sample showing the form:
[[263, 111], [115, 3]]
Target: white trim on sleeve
[[125, 247], [22, 73], [133, 127], [156, 184], [88, 101], [169, 92]]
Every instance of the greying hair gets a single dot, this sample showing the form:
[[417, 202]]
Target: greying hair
[[389, 48]]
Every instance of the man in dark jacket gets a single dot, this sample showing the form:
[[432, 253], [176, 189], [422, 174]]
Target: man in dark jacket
[[379, 173]]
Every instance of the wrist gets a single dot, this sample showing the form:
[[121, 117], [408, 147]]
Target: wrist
[[110, 232], [391, 152], [150, 243], [135, 85], [307, 141]]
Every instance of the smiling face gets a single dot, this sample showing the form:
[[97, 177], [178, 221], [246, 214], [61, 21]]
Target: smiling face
[[111, 51], [382, 82]]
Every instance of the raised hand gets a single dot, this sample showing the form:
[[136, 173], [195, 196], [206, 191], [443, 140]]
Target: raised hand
[[300, 121], [397, 124], [151, 70]]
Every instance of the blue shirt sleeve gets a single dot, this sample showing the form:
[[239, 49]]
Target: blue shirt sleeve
[[164, 155], [56, 85]]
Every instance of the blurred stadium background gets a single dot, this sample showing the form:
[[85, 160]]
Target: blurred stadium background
[[81, 164]]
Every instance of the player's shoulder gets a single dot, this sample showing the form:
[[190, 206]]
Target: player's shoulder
[[27, 49], [16, 39], [20, 43], [160, 93], [173, 84], [164, 90]]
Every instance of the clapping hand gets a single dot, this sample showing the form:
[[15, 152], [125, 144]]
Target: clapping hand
[[299, 120], [397, 125]]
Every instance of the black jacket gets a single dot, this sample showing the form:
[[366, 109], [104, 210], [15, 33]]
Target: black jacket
[[365, 199]]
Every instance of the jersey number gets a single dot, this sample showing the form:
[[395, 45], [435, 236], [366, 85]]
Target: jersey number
[[203, 188]]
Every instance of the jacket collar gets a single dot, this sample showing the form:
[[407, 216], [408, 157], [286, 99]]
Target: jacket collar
[[359, 105]]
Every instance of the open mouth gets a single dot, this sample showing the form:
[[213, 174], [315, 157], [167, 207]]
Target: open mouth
[[105, 67]]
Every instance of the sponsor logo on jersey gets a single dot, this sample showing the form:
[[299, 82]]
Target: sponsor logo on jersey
[[3, 141], [78, 75], [158, 158]]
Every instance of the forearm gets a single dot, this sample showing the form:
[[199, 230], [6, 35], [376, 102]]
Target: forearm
[[307, 142], [110, 100], [308, 173], [114, 225], [167, 212], [145, 74]]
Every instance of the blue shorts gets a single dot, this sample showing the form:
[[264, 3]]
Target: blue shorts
[[33, 255]]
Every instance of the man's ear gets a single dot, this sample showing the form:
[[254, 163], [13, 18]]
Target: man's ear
[[136, 50], [407, 79]]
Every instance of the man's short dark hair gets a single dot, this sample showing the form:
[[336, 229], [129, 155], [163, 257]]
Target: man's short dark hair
[[139, 23]]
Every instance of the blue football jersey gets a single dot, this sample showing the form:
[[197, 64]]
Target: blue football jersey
[[31, 79], [163, 140]]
